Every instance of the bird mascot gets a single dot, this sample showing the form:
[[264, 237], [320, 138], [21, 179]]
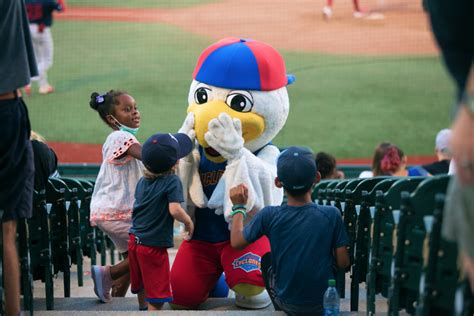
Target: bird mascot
[[238, 102]]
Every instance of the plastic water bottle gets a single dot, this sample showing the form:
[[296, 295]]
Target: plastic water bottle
[[331, 300]]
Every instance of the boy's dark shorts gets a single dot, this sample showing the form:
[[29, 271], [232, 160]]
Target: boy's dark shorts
[[16, 160]]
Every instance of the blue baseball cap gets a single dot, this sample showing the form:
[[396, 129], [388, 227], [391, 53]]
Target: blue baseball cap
[[296, 168], [161, 151]]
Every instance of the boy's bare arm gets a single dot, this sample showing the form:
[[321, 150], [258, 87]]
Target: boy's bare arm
[[180, 215], [237, 239], [342, 257], [238, 195]]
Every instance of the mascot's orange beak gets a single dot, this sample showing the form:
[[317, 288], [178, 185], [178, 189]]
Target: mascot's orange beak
[[253, 124]]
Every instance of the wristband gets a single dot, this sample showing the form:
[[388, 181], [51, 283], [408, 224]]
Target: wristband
[[240, 210], [238, 207]]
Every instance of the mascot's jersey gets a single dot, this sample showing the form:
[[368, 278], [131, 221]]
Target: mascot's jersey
[[209, 226]]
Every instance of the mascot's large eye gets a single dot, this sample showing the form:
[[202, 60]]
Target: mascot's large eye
[[240, 101], [201, 95]]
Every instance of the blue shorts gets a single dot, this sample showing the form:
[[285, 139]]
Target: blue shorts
[[16, 160]]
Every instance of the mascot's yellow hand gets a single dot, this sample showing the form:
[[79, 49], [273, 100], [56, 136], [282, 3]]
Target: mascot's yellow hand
[[225, 136]]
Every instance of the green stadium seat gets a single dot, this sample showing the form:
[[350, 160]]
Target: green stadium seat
[[59, 234], [100, 241], [339, 193], [73, 204], [24, 258], [355, 198], [330, 191], [381, 249], [411, 233], [323, 188], [39, 246], [464, 299], [349, 215], [99, 236], [440, 276], [336, 202], [110, 245], [321, 185], [87, 231]]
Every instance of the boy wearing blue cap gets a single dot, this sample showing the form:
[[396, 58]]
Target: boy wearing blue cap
[[304, 237], [157, 204]]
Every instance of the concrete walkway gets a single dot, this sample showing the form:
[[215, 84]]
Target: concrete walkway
[[84, 302]]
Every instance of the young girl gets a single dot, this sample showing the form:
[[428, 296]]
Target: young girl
[[114, 190]]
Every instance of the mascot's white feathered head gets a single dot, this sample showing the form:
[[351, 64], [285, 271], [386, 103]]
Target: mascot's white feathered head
[[245, 79]]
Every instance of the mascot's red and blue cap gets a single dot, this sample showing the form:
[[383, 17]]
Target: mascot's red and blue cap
[[234, 63]]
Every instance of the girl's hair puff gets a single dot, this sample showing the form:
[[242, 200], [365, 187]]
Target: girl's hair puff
[[105, 104]]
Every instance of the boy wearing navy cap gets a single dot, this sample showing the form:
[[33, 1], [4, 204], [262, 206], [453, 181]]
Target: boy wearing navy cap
[[304, 237], [157, 204]]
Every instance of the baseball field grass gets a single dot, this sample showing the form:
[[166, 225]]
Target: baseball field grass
[[342, 104]]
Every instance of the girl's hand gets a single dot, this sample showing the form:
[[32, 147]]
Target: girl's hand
[[188, 230], [239, 194], [188, 127]]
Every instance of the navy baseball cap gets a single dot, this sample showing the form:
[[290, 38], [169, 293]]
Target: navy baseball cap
[[161, 151], [296, 168]]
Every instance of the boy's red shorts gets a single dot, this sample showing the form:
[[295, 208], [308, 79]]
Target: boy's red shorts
[[149, 270]]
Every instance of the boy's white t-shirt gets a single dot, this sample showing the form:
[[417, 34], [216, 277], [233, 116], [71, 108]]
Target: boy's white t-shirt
[[114, 190]]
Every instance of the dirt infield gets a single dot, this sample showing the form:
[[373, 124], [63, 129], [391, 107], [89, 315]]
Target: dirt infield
[[391, 27]]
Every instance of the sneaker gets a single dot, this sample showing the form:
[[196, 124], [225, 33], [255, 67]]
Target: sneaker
[[27, 90], [327, 12], [46, 89], [102, 282], [259, 301], [358, 14]]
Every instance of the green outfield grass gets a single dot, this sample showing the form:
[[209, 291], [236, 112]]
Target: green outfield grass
[[137, 3], [341, 104]]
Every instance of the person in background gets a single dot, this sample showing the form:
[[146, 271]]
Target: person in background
[[389, 160], [46, 161], [40, 15], [452, 22], [327, 9], [443, 153], [327, 166], [17, 66]]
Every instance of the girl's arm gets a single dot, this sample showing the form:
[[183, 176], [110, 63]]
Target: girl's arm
[[180, 215], [135, 151]]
